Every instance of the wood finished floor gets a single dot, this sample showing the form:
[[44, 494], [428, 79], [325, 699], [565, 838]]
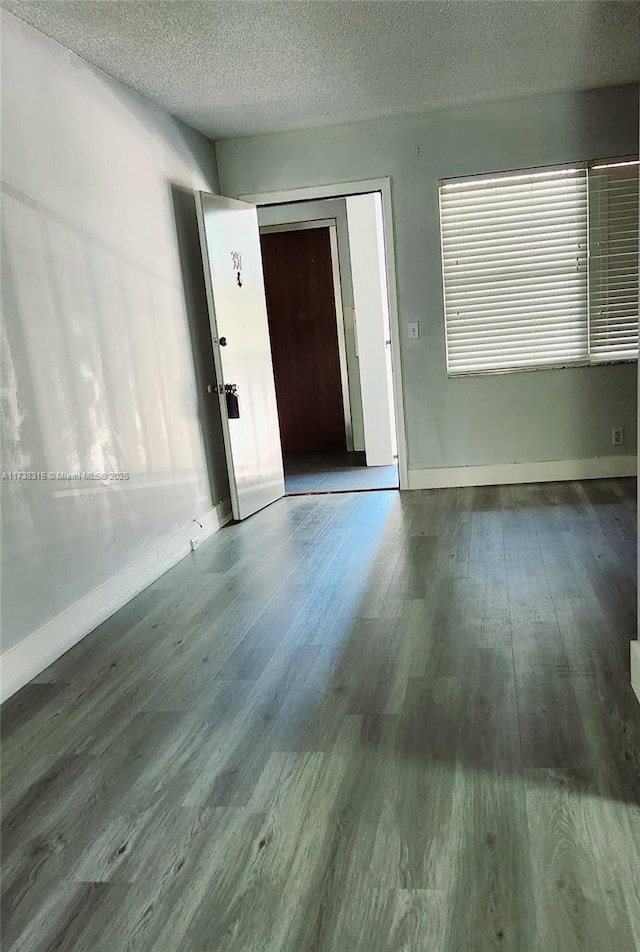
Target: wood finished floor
[[335, 472], [361, 723]]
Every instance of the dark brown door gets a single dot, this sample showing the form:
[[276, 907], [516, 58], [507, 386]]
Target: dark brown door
[[304, 339]]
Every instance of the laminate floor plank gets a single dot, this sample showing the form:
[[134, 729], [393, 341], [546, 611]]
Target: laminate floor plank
[[580, 872], [368, 722], [491, 894]]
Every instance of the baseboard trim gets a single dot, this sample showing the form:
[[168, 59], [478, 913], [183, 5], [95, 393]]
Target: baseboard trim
[[32, 655], [635, 667], [600, 467]]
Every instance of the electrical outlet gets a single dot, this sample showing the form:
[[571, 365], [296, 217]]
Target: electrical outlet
[[617, 436], [194, 543], [414, 330]]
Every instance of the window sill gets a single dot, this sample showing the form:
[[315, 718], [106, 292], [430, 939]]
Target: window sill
[[516, 370]]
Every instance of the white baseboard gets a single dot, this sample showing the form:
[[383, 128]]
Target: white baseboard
[[635, 667], [32, 655], [502, 474]]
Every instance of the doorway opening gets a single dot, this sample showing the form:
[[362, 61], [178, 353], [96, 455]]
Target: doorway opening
[[328, 305]]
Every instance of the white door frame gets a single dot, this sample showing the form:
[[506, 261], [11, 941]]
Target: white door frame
[[342, 190], [331, 224]]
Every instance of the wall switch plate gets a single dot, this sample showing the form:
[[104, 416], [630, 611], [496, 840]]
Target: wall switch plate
[[617, 436], [414, 330], [194, 543]]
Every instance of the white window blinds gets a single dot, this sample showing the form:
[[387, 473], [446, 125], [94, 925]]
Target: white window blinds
[[518, 287], [613, 260]]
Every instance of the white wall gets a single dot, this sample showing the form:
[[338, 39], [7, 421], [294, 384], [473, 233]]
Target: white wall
[[368, 274], [316, 211], [529, 417], [103, 301]]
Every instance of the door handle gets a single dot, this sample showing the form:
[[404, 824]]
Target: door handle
[[233, 404]]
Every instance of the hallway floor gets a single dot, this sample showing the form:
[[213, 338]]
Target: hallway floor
[[335, 472], [366, 722]]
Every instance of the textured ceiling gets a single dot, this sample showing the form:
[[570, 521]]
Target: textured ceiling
[[242, 68]]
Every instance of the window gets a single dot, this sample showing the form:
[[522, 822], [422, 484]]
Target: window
[[613, 261], [540, 268]]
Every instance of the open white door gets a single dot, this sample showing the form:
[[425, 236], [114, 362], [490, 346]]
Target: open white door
[[238, 313]]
